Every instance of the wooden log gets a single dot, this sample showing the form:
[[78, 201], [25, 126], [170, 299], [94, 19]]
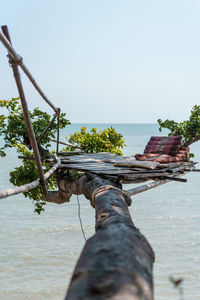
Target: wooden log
[[116, 263]]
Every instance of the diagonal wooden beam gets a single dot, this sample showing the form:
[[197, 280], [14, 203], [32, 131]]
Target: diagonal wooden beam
[[31, 133], [5, 39]]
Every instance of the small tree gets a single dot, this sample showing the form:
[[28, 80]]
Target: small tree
[[189, 129], [14, 133], [107, 140]]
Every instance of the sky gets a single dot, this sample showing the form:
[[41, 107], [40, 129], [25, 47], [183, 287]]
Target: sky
[[106, 61]]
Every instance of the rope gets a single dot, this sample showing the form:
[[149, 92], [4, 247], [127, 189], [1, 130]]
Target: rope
[[19, 61], [105, 188], [79, 215]]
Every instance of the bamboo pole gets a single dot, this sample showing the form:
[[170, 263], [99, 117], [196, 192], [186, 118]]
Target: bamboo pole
[[27, 117], [46, 129], [58, 131], [72, 146], [146, 187], [29, 186], [154, 184], [18, 59]]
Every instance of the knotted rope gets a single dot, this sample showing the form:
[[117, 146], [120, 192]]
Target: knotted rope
[[105, 188]]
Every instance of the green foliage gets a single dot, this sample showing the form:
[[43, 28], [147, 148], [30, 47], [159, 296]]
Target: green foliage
[[13, 128], [14, 133], [27, 173], [189, 129], [107, 140]]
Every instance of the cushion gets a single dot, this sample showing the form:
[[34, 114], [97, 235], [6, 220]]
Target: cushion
[[182, 155], [164, 145]]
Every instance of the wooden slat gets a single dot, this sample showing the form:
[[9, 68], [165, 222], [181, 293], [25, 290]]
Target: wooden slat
[[95, 167], [123, 168]]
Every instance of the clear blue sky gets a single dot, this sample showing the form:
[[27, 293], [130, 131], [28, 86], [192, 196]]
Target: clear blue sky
[[119, 61]]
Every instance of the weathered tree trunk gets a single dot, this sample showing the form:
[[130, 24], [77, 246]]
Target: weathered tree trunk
[[116, 263]]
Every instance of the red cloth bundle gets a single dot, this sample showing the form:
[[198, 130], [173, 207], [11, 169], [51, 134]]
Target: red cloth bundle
[[182, 155], [164, 145], [164, 149]]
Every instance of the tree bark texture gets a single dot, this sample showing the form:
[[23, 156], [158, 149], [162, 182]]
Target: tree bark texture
[[116, 263]]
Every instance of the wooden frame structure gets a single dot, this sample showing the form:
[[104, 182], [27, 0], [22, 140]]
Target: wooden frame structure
[[117, 262]]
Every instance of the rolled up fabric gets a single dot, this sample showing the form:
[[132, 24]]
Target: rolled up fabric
[[164, 145], [182, 155]]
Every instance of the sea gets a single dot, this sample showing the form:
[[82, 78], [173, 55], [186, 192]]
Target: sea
[[39, 252]]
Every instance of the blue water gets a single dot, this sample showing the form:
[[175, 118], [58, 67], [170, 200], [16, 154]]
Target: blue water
[[38, 253]]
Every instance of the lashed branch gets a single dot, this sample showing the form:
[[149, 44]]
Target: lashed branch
[[116, 263], [29, 186]]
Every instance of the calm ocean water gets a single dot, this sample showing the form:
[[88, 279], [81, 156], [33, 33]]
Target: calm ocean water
[[38, 253]]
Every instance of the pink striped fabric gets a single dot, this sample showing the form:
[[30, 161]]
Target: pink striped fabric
[[164, 145], [182, 155]]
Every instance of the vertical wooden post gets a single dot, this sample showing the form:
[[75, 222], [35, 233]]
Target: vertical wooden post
[[26, 116], [46, 129], [58, 131]]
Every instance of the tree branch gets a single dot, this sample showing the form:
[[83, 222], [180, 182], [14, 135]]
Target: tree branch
[[116, 263], [191, 141]]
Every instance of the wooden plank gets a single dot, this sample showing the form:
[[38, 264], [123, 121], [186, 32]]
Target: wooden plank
[[104, 164], [88, 168], [137, 163], [147, 175], [113, 172], [92, 162], [81, 161], [176, 164], [71, 153], [102, 168], [100, 157], [129, 180]]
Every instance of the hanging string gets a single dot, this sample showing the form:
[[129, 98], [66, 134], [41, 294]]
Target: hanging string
[[79, 215]]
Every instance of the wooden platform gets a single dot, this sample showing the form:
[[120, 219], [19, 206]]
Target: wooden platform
[[125, 169]]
